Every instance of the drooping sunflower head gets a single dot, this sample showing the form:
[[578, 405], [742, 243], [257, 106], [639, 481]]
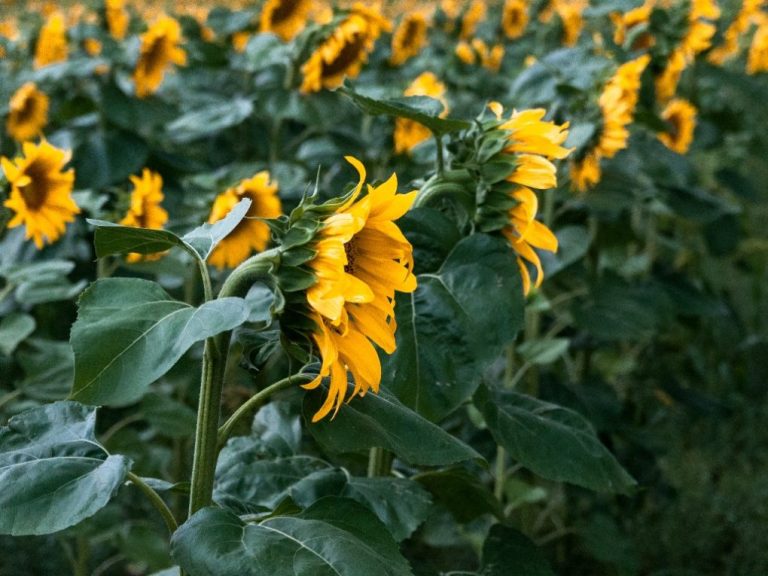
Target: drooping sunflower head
[[514, 18], [52, 44], [344, 52], [28, 113], [41, 192], [160, 47], [285, 18], [667, 81], [409, 133], [252, 233], [355, 259], [145, 210], [680, 116], [409, 38], [117, 18]]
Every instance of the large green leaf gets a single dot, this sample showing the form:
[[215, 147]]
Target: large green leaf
[[507, 551], [209, 120], [454, 326], [53, 472], [14, 328], [334, 537], [400, 503], [461, 493], [129, 332], [422, 109], [381, 420], [48, 366], [552, 441]]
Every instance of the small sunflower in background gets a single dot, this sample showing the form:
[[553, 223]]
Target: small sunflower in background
[[41, 192], [362, 259], [757, 59], [28, 113], [514, 18], [474, 14], [145, 210], [51, 44], [409, 133], [343, 53], [159, 48], [680, 116], [117, 18], [251, 234], [409, 38], [284, 18]]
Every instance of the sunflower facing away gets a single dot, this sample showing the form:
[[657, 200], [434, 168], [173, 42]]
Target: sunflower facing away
[[361, 260], [159, 48], [535, 142], [409, 38], [345, 51], [409, 133], [284, 18], [28, 113], [41, 193], [145, 210], [252, 233], [51, 44]]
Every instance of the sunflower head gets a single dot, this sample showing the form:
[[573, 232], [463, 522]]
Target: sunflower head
[[145, 210], [680, 116], [252, 233], [473, 15], [757, 59], [28, 113], [41, 192], [409, 133], [160, 47], [117, 18], [345, 50], [51, 44], [514, 18], [342, 263], [409, 38], [284, 18]]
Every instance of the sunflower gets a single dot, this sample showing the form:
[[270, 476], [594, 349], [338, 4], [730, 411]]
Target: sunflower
[[757, 60], [534, 142], [252, 233], [41, 194], [750, 9], [28, 113], [585, 173], [680, 115], [570, 13], [409, 38], [465, 52], [474, 14], [409, 133], [145, 210], [240, 40], [514, 18], [345, 51], [159, 48], [92, 46], [624, 22], [117, 18], [284, 18], [51, 44], [361, 260], [667, 81]]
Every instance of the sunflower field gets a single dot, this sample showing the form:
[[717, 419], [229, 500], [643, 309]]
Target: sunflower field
[[409, 288]]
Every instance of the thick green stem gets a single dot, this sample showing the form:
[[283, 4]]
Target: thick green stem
[[212, 382], [440, 159], [500, 476], [156, 501], [379, 462], [256, 401]]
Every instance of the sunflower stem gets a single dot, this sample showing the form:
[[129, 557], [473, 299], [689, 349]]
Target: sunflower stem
[[440, 159], [379, 462], [156, 501], [256, 401], [212, 382]]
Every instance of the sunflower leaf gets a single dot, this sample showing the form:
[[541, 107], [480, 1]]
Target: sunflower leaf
[[129, 332], [53, 472], [111, 238], [422, 109], [452, 309], [507, 547], [205, 238], [334, 536], [553, 442]]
